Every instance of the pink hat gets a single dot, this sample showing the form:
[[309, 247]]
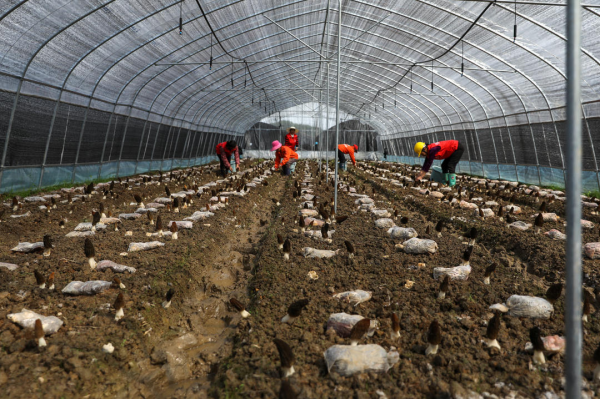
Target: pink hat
[[275, 145]]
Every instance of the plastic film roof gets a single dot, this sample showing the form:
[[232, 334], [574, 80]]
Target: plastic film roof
[[129, 54]]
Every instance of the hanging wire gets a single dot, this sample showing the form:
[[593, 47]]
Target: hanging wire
[[515, 26], [411, 80], [211, 58], [431, 75], [462, 58], [232, 73], [181, 17], [449, 49]]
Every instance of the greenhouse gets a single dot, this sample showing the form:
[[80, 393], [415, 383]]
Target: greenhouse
[[142, 143]]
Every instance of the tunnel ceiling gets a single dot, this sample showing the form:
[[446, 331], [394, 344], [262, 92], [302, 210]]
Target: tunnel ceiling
[[124, 53]]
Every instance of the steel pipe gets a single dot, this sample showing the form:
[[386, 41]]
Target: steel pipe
[[573, 322]]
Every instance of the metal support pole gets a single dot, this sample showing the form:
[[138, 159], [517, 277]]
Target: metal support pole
[[337, 101], [327, 132], [573, 185]]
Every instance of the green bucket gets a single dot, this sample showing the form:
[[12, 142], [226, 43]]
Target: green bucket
[[437, 175]]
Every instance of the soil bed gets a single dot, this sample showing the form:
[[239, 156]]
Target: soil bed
[[527, 264], [158, 352]]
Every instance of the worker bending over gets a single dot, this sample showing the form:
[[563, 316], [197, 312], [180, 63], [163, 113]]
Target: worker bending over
[[291, 139], [284, 157], [224, 152], [449, 150], [346, 149]]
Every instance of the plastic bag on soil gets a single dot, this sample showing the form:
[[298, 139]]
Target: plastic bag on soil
[[154, 205], [592, 205], [366, 207], [556, 235], [79, 234], [88, 226], [26, 319], [308, 212], [384, 223], [455, 273], [115, 267], [146, 210], [198, 215], [130, 216], [316, 234], [182, 225], [491, 203], [418, 246], [21, 216], [309, 252], [436, 194], [348, 360], [10, 266], [516, 209], [342, 324], [316, 222], [487, 213], [86, 288], [364, 200], [548, 217], [34, 199], [27, 247], [526, 306], [520, 225], [162, 200], [355, 297], [552, 344], [468, 205], [144, 246], [592, 250], [381, 213], [403, 233], [108, 221]]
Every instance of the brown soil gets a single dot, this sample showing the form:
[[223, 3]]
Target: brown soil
[[158, 352], [201, 346], [528, 264]]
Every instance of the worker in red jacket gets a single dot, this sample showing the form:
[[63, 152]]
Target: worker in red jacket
[[449, 150], [284, 157], [346, 149], [291, 139], [224, 152]]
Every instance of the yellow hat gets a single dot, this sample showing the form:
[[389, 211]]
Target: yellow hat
[[419, 147]]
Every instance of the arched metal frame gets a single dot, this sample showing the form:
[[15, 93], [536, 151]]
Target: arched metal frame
[[235, 121]]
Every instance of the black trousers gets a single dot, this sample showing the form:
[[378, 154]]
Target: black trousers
[[224, 170], [449, 164], [341, 157]]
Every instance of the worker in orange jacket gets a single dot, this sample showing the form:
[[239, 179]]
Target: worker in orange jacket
[[346, 149], [284, 157]]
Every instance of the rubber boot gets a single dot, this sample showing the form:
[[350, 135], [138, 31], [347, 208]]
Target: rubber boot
[[447, 178], [452, 181]]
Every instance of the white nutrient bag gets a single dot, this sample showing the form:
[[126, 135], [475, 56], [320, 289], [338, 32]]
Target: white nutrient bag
[[348, 360], [526, 306], [385, 223], [403, 233], [309, 252], [86, 287], [355, 297], [26, 319], [418, 246], [460, 273], [342, 324], [115, 267], [144, 246]]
